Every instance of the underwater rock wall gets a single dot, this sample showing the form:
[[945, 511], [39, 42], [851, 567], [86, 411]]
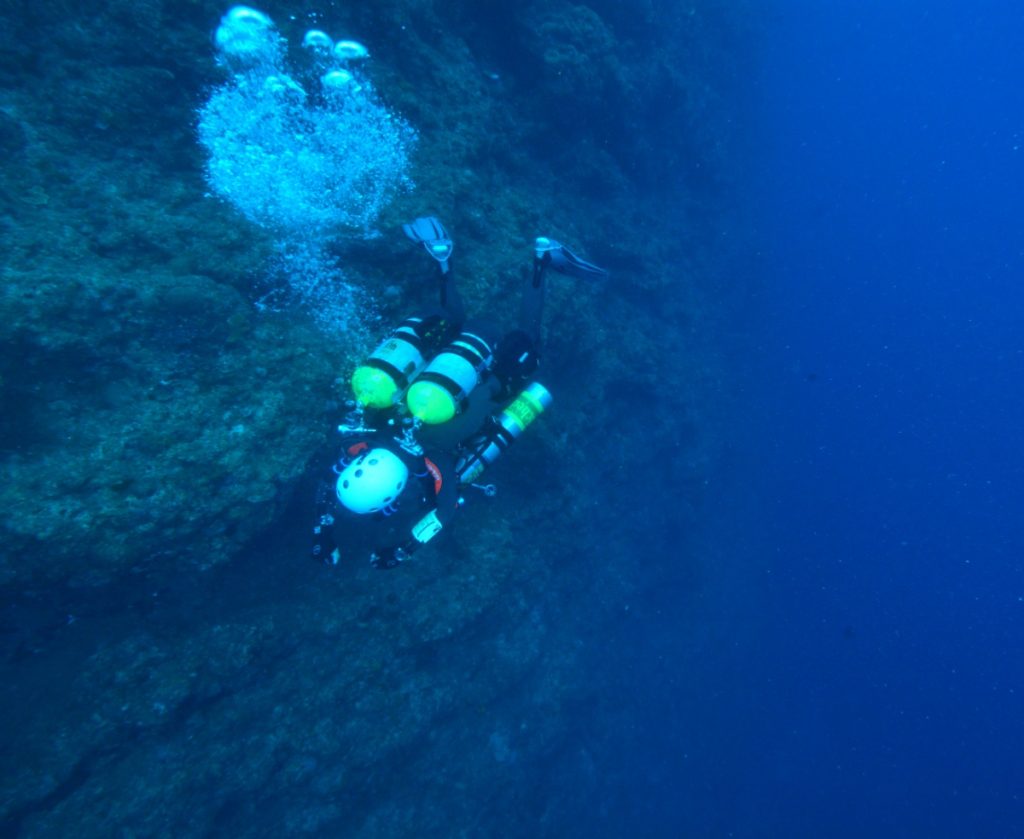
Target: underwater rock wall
[[142, 386], [156, 422], [129, 294]]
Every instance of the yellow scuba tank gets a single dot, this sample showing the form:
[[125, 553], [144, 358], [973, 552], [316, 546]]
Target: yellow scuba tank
[[441, 389], [503, 431], [380, 381]]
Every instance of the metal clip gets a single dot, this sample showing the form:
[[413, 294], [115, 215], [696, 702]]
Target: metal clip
[[408, 440], [353, 422], [355, 429]]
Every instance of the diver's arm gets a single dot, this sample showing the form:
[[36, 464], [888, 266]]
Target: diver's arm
[[429, 526]]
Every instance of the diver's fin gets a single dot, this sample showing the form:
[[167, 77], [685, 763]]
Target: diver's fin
[[429, 232], [565, 261]]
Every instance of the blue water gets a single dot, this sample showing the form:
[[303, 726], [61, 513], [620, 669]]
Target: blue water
[[834, 652], [863, 676]]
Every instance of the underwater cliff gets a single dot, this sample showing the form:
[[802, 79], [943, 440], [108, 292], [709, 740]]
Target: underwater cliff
[[174, 662]]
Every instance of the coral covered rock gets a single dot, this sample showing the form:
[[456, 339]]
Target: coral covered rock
[[176, 664]]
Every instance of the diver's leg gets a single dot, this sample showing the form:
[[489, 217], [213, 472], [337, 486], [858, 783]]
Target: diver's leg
[[451, 300], [518, 352], [430, 232], [531, 310]]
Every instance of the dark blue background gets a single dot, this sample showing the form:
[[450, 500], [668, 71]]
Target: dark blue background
[[857, 664]]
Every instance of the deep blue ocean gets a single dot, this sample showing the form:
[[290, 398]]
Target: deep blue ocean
[[859, 672], [794, 610]]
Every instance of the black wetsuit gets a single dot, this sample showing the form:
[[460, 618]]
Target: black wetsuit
[[433, 486], [424, 508]]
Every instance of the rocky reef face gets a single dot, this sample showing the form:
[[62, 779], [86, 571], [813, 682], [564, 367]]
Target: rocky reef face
[[174, 662]]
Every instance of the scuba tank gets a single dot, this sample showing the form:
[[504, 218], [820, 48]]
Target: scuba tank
[[380, 381], [440, 391], [502, 431]]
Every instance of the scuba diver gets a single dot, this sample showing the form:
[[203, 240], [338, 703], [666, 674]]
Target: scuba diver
[[436, 403]]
